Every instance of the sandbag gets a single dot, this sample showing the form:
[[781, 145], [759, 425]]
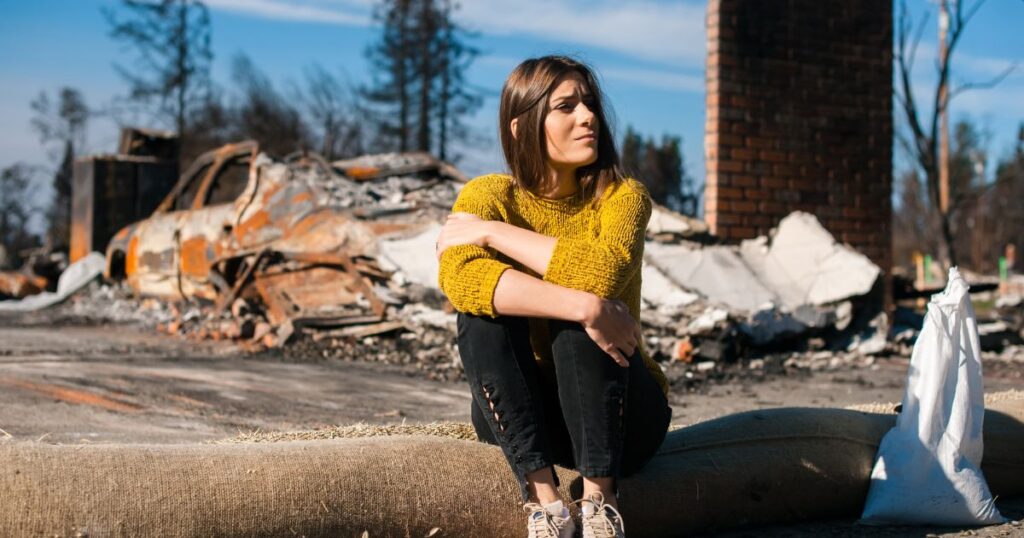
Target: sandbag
[[928, 467], [759, 467]]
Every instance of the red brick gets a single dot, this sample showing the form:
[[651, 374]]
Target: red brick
[[758, 143], [742, 154], [744, 207], [730, 166], [804, 184], [727, 193], [784, 170], [740, 101], [773, 156], [730, 140], [762, 221], [741, 232], [743, 181], [757, 194], [711, 218], [729, 219]]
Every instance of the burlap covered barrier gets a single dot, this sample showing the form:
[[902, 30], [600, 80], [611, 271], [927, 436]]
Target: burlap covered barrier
[[770, 466]]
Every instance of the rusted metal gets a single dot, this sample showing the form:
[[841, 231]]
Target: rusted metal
[[237, 224], [315, 292], [164, 145], [17, 285], [240, 282], [110, 191]]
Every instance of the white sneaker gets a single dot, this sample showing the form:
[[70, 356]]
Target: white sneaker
[[542, 524], [604, 522]]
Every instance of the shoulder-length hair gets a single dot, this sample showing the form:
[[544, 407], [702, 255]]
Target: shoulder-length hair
[[525, 96]]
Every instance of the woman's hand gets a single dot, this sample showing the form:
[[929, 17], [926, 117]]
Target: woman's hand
[[612, 327], [461, 229]]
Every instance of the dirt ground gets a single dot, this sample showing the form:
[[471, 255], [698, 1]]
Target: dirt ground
[[123, 384]]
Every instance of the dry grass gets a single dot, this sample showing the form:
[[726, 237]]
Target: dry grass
[[889, 408], [452, 430], [464, 430]]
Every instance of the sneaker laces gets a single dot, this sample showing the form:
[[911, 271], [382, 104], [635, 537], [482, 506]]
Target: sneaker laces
[[599, 524], [543, 526]]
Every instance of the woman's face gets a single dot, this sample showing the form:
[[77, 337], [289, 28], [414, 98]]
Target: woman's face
[[571, 126]]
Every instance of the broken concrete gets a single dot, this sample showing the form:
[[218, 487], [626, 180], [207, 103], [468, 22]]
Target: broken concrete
[[717, 273], [804, 265]]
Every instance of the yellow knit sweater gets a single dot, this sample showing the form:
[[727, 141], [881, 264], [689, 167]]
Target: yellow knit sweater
[[599, 249]]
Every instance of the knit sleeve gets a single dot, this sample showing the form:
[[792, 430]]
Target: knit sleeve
[[604, 264], [468, 274]]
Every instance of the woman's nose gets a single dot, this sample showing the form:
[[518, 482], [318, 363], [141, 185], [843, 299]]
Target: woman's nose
[[586, 116]]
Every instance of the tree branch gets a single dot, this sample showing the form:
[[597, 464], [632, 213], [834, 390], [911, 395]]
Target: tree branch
[[982, 85]]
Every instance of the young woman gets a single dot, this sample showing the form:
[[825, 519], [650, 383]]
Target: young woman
[[543, 266]]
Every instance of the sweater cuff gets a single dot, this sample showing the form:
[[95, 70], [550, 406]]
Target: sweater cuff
[[484, 281], [488, 282], [579, 265]]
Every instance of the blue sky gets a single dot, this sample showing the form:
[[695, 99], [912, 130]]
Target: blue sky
[[650, 54]]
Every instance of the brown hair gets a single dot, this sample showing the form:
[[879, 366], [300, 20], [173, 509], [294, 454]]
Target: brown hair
[[525, 96]]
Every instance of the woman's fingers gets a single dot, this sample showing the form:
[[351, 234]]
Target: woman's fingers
[[617, 356], [461, 231]]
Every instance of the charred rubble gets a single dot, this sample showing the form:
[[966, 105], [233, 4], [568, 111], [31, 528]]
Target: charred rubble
[[304, 258]]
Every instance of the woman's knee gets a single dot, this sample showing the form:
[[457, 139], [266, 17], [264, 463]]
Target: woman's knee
[[484, 329], [571, 343]]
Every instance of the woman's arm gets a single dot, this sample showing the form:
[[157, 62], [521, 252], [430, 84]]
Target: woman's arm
[[601, 267], [607, 322], [524, 246]]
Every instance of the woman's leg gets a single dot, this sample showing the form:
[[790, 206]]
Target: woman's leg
[[616, 417], [508, 398]]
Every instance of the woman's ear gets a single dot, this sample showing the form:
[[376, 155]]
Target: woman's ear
[[514, 126]]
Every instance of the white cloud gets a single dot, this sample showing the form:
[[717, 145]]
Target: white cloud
[[648, 30], [660, 79], [318, 12]]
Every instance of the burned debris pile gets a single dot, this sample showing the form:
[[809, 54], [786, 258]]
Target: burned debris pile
[[335, 260]]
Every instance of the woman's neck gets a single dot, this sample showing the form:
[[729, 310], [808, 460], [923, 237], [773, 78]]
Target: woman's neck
[[560, 183]]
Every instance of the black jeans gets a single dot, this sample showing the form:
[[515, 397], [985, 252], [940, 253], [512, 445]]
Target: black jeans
[[592, 414]]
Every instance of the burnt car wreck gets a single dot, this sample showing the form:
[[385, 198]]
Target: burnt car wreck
[[296, 240]]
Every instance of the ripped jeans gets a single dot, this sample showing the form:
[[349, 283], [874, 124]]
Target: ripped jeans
[[592, 414]]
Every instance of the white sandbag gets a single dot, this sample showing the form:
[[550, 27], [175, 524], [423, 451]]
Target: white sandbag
[[928, 467]]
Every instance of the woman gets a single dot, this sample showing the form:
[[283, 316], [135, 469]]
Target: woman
[[544, 269]]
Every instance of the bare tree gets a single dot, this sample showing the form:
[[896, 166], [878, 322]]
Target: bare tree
[[264, 114], [332, 108], [923, 142], [61, 125], [172, 42], [661, 169], [419, 88], [16, 211], [455, 99], [62, 122], [391, 59]]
